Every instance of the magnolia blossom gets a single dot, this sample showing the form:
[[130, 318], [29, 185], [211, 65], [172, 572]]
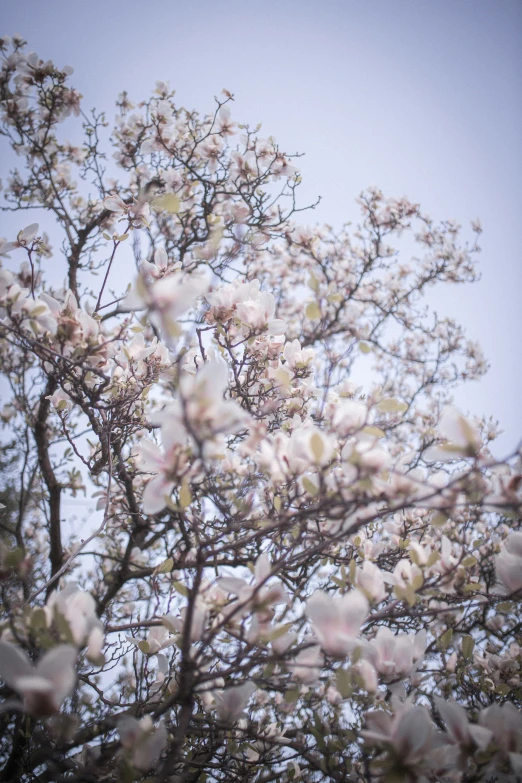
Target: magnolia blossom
[[396, 655], [79, 610], [369, 579], [157, 639], [255, 597], [462, 437], [337, 621], [349, 416], [407, 735], [201, 417], [198, 620], [508, 564], [254, 309], [166, 298], [306, 666], [231, 702], [505, 723], [141, 742], [162, 265], [43, 687], [463, 733]]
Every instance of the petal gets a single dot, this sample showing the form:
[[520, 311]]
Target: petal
[[14, 663]]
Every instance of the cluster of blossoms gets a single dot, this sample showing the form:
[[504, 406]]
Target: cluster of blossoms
[[292, 572]]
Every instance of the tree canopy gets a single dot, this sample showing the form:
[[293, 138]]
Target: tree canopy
[[304, 564]]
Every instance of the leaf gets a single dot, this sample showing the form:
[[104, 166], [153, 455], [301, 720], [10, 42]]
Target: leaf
[[439, 519], [292, 695], [313, 282], [181, 588], [469, 561], [165, 567], [445, 639], [335, 298], [313, 312], [343, 682], [432, 559], [375, 431], [167, 202], [276, 633], [309, 486], [365, 348], [391, 405], [472, 587], [38, 620], [467, 645], [185, 495], [317, 446]]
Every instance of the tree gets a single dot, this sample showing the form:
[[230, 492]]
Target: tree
[[292, 574]]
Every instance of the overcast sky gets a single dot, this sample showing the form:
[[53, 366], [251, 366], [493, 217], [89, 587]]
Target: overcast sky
[[420, 97]]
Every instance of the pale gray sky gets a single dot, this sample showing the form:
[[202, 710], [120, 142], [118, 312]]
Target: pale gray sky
[[419, 97]]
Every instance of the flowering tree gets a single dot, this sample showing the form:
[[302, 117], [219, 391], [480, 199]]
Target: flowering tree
[[291, 574]]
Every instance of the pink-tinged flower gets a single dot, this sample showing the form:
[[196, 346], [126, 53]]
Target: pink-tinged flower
[[306, 666], [143, 742], [349, 416], [407, 734], [508, 564], [166, 298], [337, 621], [370, 581], [461, 732], [367, 674], [224, 124], [43, 687], [26, 235], [162, 265], [78, 608], [231, 702], [24, 307], [198, 621], [115, 204], [296, 357], [505, 722], [60, 400], [166, 464], [157, 639], [256, 596], [254, 309], [396, 655], [6, 247], [461, 436]]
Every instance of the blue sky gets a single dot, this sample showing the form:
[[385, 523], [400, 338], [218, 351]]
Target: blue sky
[[419, 97]]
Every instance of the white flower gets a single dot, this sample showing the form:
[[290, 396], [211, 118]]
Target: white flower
[[461, 732], [43, 687], [144, 743], [231, 702], [462, 438], [349, 417], [508, 564], [408, 733], [396, 655], [337, 621], [370, 581], [61, 400], [157, 639], [79, 610]]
